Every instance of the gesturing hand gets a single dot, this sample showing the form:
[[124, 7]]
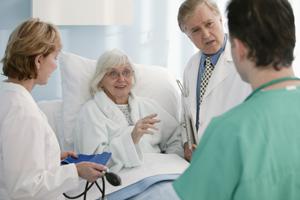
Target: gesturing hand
[[142, 127]]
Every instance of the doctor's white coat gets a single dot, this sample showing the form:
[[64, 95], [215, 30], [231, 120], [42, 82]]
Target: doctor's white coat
[[29, 151], [101, 126], [224, 91]]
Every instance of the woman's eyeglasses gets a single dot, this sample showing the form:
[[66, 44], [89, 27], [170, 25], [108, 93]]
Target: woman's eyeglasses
[[127, 73]]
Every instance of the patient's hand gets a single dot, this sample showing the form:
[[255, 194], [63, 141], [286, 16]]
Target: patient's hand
[[142, 127], [189, 152]]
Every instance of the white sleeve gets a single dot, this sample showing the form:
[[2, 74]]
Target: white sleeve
[[26, 170], [94, 133], [126, 153]]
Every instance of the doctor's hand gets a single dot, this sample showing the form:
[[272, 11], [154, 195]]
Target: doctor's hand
[[90, 171], [65, 154], [188, 152], [142, 127]]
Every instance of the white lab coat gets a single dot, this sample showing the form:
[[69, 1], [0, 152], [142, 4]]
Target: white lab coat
[[224, 91], [101, 126], [29, 151]]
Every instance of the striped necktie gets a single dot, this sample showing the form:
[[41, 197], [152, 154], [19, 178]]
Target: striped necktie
[[205, 77]]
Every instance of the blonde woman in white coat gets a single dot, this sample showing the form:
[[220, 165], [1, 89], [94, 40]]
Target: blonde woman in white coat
[[117, 121], [201, 21], [29, 151]]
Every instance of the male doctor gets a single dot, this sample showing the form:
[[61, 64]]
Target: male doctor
[[210, 79]]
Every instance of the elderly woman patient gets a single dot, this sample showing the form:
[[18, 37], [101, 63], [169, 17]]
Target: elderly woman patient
[[117, 121]]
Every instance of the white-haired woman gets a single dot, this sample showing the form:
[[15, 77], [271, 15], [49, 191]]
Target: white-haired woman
[[117, 121]]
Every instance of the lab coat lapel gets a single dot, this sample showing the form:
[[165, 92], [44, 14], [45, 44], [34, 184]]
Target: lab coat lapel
[[222, 71], [192, 93]]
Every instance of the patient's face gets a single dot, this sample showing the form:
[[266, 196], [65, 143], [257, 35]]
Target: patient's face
[[117, 83]]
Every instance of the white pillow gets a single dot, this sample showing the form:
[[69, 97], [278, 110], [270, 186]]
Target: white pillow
[[154, 82], [53, 110], [157, 83]]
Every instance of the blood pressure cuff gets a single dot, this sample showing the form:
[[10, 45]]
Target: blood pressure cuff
[[96, 158]]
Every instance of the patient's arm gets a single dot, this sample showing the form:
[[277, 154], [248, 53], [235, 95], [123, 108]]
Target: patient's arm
[[95, 133]]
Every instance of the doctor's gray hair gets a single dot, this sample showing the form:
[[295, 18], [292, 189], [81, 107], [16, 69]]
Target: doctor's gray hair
[[188, 7], [108, 60]]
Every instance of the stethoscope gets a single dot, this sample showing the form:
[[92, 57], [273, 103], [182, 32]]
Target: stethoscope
[[272, 82], [111, 177]]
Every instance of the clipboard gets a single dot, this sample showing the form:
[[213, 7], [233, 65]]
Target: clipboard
[[191, 133]]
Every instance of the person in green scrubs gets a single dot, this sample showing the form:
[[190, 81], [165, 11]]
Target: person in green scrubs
[[253, 150]]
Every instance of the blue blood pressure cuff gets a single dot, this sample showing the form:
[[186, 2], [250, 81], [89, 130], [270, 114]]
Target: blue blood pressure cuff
[[96, 158], [102, 159]]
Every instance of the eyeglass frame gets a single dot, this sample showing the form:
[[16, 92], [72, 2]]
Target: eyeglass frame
[[114, 75]]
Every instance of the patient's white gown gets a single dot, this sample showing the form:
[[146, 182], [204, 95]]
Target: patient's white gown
[[101, 126]]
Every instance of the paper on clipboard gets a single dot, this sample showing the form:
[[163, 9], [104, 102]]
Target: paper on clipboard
[[191, 133]]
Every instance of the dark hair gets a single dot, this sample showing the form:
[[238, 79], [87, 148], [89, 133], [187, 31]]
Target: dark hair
[[30, 39], [266, 27]]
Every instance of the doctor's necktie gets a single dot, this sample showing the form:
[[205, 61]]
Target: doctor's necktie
[[205, 77]]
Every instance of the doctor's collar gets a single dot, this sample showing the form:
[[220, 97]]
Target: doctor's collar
[[214, 57]]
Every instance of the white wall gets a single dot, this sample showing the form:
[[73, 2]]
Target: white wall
[[296, 64], [296, 6], [153, 38]]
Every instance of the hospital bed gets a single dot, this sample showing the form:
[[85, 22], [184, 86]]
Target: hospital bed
[[154, 82]]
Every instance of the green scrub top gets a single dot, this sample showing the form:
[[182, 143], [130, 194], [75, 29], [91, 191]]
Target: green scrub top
[[251, 152]]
